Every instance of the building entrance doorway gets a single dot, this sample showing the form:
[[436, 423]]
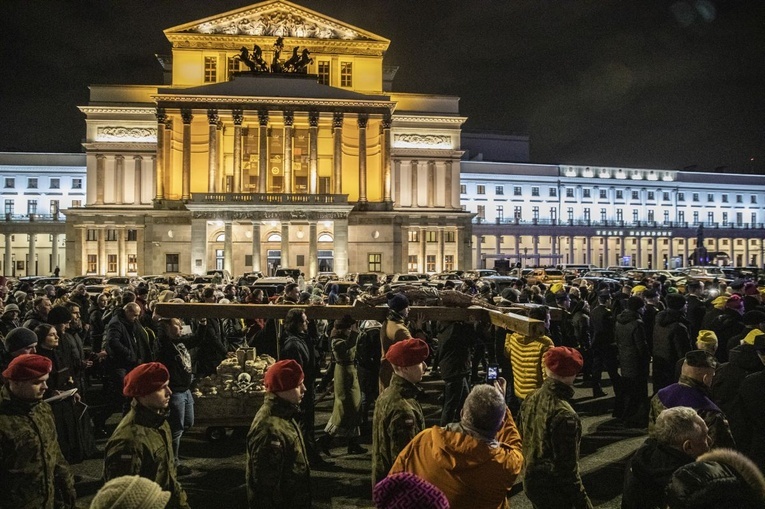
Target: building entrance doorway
[[219, 259], [326, 261], [273, 260]]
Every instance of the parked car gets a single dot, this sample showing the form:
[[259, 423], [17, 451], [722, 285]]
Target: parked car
[[405, 279], [225, 275], [323, 277], [365, 279], [479, 273], [546, 276], [294, 274], [707, 274]]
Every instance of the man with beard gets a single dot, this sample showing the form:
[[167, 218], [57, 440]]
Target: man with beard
[[142, 443], [39, 313]]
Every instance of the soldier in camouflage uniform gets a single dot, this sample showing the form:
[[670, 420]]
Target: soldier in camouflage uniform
[[398, 416], [278, 472], [551, 435], [142, 443], [33, 472]]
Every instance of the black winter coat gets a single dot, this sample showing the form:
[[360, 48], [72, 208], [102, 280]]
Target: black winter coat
[[671, 341], [648, 473], [748, 423], [634, 357], [602, 322]]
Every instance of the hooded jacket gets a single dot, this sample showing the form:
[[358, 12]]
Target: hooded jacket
[[648, 473], [743, 361], [671, 341], [525, 354], [473, 473]]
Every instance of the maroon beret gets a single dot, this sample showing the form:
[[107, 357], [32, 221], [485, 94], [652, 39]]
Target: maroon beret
[[405, 490], [27, 367], [563, 361], [284, 375], [145, 379], [735, 302], [408, 352]]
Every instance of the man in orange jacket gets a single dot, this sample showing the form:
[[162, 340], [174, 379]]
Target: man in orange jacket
[[475, 461]]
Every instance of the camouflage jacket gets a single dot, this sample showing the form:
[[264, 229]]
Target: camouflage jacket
[[33, 472], [397, 420], [551, 435], [142, 445], [278, 474]]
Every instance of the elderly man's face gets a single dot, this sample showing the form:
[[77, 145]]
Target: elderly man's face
[[44, 307], [132, 313]]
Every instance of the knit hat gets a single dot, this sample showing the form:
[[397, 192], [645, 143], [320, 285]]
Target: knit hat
[[28, 366], [754, 317], [635, 303], [20, 296], [700, 359], [737, 284], [405, 490], [556, 287], [638, 289], [751, 336], [284, 375], [130, 492], [11, 307], [719, 302], [58, 315], [19, 338], [145, 379], [409, 352], [563, 361], [397, 302], [675, 301], [735, 302], [707, 337]]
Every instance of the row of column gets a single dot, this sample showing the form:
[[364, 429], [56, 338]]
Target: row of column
[[164, 138], [415, 167], [120, 180], [688, 247], [422, 250], [31, 270], [102, 259]]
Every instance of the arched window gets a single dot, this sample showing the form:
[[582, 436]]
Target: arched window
[[274, 237], [221, 237], [325, 237]]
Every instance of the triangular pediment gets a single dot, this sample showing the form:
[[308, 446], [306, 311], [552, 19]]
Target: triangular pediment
[[276, 18]]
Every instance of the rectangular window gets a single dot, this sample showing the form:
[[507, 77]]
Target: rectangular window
[[725, 198], [517, 191], [553, 214], [754, 217], [619, 194], [666, 216], [570, 213], [753, 199], [91, 234], [111, 235], [111, 263], [499, 190], [569, 192], [10, 182], [710, 197], [480, 189], [412, 265], [32, 207], [374, 262], [76, 183], [132, 235], [55, 183], [553, 192], [665, 196], [463, 189], [346, 74], [635, 215], [710, 217], [482, 211], [586, 214], [211, 69], [535, 213], [414, 235], [651, 195], [54, 207], [681, 216], [232, 65], [603, 215], [132, 263], [76, 203], [431, 236], [92, 263], [739, 198], [620, 214], [635, 195], [695, 216], [324, 185], [430, 263], [9, 206], [650, 215], [603, 194], [449, 236], [724, 218], [534, 191], [172, 262], [32, 183], [695, 196], [500, 213], [585, 193], [323, 72], [448, 262], [517, 213], [680, 196]]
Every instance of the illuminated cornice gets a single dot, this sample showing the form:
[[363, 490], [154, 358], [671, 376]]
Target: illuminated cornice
[[122, 134], [273, 101], [429, 119], [130, 110], [129, 146], [234, 43]]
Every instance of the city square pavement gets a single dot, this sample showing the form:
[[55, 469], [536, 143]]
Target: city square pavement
[[218, 467]]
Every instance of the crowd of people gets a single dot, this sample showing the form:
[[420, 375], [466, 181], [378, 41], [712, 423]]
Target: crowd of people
[[70, 362]]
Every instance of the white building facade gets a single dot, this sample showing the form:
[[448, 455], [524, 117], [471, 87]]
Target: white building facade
[[555, 214]]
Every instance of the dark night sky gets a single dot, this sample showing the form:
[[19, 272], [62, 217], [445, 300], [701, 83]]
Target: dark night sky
[[644, 83]]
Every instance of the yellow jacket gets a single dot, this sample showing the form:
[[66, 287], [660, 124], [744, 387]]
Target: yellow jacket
[[525, 354]]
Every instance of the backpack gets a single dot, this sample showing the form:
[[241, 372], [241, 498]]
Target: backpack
[[368, 349]]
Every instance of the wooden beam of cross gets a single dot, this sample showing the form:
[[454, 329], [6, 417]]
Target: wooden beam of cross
[[511, 321]]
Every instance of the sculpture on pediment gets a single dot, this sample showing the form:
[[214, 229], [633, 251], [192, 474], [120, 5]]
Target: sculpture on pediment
[[257, 57], [293, 60], [255, 61], [276, 65]]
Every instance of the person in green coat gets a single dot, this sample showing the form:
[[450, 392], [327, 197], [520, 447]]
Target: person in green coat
[[142, 444], [278, 473], [33, 471], [398, 416]]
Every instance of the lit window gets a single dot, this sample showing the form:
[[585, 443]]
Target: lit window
[[375, 262], [480, 189], [111, 263], [412, 263], [323, 72], [92, 263], [55, 183], [346, 74], [232, 65], [132, 263], [463, 189], [324, 237], [413, 235], [91, 234], [430, 263], [431, 236], [448, 262], [211, 69], [274, 237], [448, 236], [32, 207]]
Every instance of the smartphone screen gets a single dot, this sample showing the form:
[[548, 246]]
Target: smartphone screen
[[492, 373], [186, 330]]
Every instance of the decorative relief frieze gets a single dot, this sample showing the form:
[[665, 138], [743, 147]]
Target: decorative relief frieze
[[126, 134], [404, 140]]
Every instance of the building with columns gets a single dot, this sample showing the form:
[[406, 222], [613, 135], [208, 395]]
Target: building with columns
[[36, 190], [230, 168], [554, 214]]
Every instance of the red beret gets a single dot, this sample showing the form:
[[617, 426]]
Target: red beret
[[27, 367], [408, 352], [735, 302], [284, 375], [563, 361], [145, 379]]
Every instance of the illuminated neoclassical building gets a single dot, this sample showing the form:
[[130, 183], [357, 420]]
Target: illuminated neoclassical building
[[224, 167]]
